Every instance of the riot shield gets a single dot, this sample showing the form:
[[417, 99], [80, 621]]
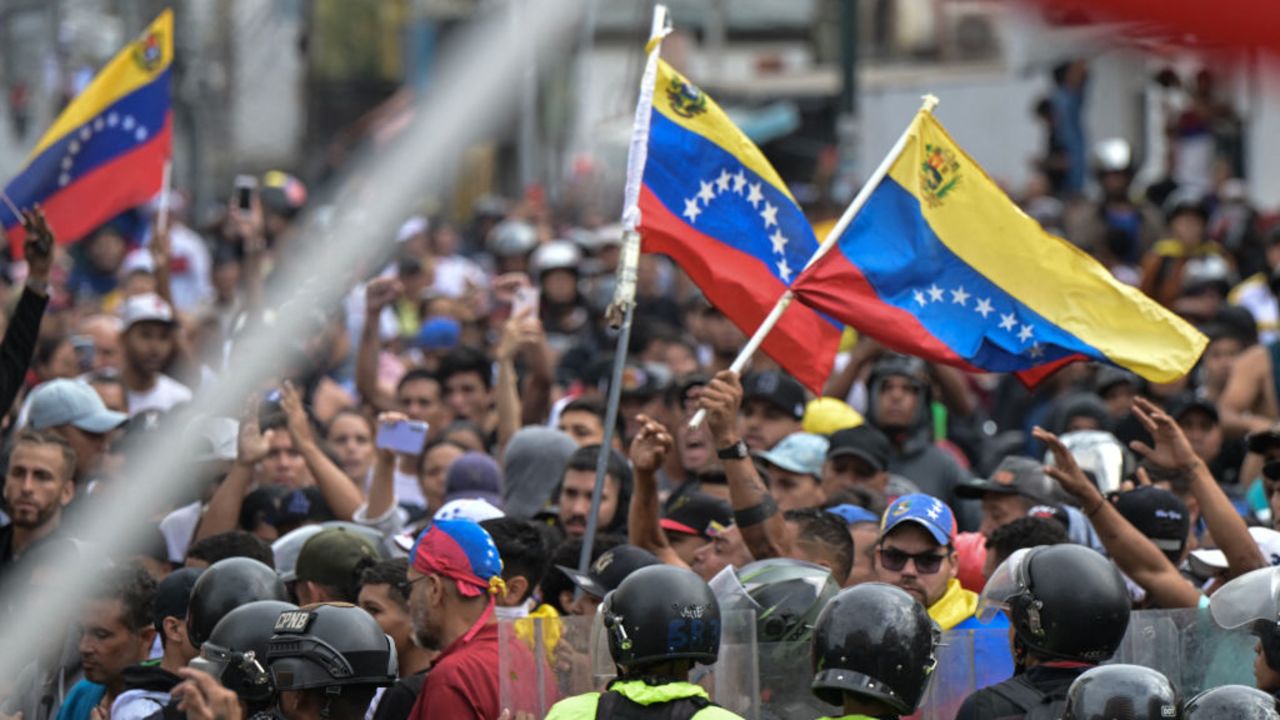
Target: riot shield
[[544, 660], [1189, 648]]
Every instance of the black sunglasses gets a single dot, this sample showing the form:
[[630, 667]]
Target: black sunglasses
[[895, 560]]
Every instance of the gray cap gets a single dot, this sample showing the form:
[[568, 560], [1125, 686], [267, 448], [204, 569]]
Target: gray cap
[[62, 402]]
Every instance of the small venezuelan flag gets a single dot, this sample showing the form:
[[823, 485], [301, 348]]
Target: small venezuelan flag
[[106, 152], [939, 263], [713, 204]]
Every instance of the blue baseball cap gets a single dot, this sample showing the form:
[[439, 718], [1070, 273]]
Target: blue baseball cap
[[439, 333], [926, 511], [852, 514], [71, 402], [801, 453]]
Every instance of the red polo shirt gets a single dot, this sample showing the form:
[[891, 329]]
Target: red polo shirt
[[463, 681]]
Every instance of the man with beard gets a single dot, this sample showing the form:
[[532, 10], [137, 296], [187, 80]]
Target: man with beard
[[579, 481], [455, 576], [149, 344], [37, 486]]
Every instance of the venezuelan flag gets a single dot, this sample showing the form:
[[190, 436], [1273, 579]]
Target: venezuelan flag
[[712, 203], [106, 152], [939, 263]]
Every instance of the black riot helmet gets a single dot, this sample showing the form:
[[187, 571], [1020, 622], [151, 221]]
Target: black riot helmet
[[1231, 702], [1065, 602], [785, 594], [1132, 692], [225, 586], [235, 653], [330, 646], [876, 642], [661, 613]]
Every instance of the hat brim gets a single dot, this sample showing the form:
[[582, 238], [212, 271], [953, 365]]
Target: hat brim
[[1207, 562], [678, 527], [584, 581], [101, 422], [493, 499], [938, 533], [978, 488], [784, 463], [861, 454], [789, 410]]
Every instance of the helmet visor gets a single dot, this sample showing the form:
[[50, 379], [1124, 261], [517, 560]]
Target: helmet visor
[[1250, 597], [730, 592], [1008, 580]]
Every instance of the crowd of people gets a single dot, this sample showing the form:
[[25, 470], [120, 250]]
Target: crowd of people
[[421, 467]]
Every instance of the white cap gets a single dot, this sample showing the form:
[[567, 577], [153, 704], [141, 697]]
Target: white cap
[[147, 307], [1210, 562], [473, 509]]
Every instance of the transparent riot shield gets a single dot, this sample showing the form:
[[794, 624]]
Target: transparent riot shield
[[1189, 648], [544, 660], [968, 660]]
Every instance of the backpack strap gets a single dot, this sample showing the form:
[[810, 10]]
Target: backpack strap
[[1019, 693]]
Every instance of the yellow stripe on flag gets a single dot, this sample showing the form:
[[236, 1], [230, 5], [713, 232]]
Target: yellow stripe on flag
[[672, 89], [126, 72]]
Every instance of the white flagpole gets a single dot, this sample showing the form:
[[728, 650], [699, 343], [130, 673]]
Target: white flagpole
[[624, 298], [163, 210], [744, 356]]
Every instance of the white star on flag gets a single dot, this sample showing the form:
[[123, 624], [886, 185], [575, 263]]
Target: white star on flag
[[1008, 322], [707, 194], [1025, 333], [691, 209], [739, 182], [784, 271], [722, 182], [754, 196], [1036, 351], [779, 242], [984, 307], [769, 214], [919, 297], [935, 293], [959, 296]]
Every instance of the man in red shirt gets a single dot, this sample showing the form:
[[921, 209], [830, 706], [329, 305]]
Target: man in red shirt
[[454, 574]]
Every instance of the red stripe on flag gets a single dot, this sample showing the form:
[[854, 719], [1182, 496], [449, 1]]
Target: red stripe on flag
[[129, 180], [803, 343]]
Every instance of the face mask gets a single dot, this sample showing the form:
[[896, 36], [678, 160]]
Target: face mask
[[512, 613]]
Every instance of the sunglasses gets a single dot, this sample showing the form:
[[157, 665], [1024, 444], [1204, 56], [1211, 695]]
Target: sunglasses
[[895, 560]]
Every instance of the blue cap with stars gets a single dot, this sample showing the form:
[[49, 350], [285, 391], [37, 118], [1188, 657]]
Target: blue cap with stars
[[926, 511]]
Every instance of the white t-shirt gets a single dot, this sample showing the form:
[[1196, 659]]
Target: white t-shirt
[[178, 527], [166, 393]]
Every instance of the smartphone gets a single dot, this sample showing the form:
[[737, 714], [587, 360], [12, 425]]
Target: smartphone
[[83, 345], [406, 437], [245, 187], [525, 297]]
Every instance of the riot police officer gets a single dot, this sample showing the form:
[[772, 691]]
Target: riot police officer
[[1231, 702], [225, 586], [235, 653], [660, 621], [1132, 692], [1069, 609], [1253, 599], [327, 661], [873, 652]]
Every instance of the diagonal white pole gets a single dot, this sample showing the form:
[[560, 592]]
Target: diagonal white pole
[[744, 355]]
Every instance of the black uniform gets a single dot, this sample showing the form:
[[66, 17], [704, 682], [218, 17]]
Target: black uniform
[[1040, 685]]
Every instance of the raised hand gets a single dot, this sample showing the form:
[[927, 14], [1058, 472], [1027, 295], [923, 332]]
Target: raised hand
[[721, 398], [296, 415], [252, 445], [380, 293], [1172, 450], [650, 447], [1065, 469], [40, 245]]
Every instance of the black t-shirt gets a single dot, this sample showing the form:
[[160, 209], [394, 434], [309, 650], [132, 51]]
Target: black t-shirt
[[397, 702], [989, 704]]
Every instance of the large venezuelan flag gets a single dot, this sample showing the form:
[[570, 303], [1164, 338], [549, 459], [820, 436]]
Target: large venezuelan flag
[[939, 263], [713, 204], [106, 152]]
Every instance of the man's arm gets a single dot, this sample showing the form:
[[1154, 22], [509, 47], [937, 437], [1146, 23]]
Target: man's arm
[[648, 451], [24, 326], [519, 331], [1246, 381], [382, 488], [339, 492], [1131, 551], [377, 295], [763, 529], [1173, 452], [865, 352], [223, 512]]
